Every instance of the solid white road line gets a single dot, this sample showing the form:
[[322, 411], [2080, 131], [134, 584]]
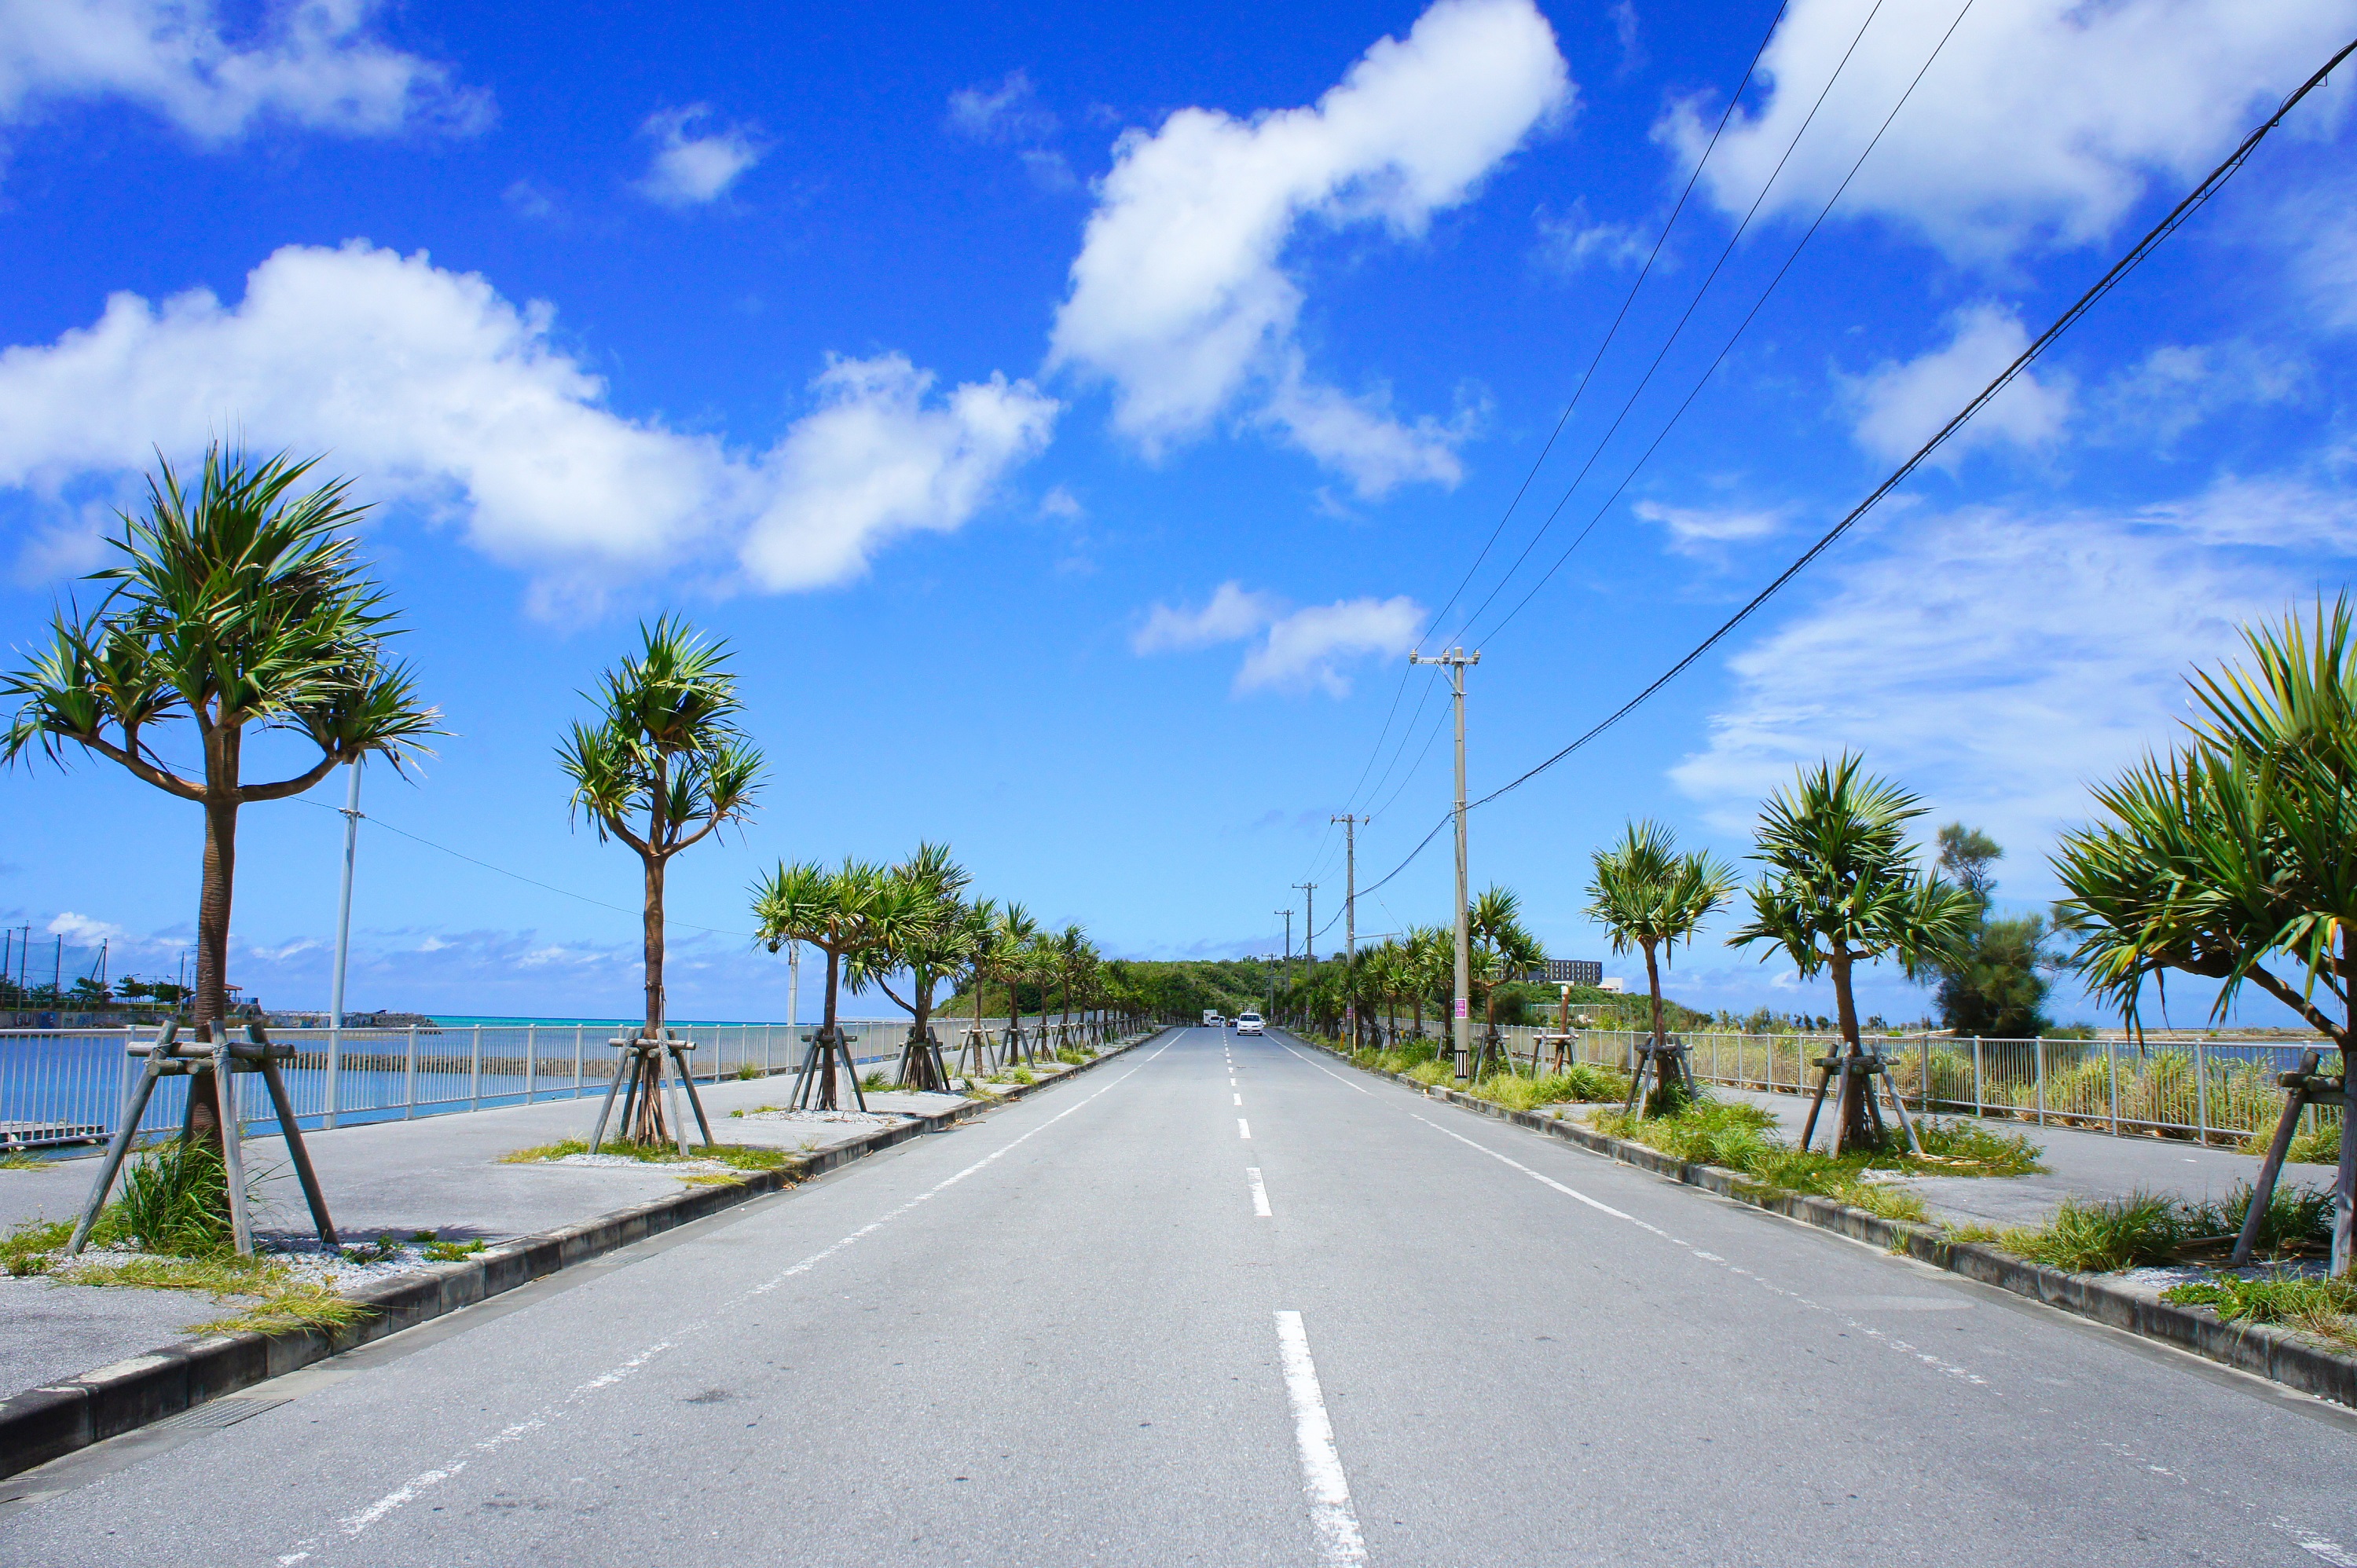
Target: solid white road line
[[1243, 1128], [1259, 1192], [1339, 1539]]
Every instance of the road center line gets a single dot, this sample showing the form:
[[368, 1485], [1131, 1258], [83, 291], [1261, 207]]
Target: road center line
[[1259, 1194], [1240, 1100], [1328, 1490], [1243, 1128]]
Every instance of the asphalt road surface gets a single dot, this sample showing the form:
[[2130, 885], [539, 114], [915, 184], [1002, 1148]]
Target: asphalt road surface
[[1228, 1301]]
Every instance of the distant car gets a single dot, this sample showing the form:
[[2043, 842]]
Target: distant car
[[1212, 1020], [1249, 1024]]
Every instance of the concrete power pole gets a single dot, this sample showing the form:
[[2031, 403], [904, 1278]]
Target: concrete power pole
[[1288, 953], [1310, 924], [1350, 918], [1457, 659]]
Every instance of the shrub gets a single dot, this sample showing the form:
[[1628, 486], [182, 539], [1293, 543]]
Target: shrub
[[2321, 1306], [175, 1202]]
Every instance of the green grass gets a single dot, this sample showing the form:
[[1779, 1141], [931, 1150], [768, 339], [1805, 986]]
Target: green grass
[[1025, 1074], [16, 1161], [2323, 1307], [748, 1073], [2146, 1227], [1582, 1083], [452, 1251], [1072, 1057], [27, 1250], [737, 1156], [1740, 1137], [2321, 1147]]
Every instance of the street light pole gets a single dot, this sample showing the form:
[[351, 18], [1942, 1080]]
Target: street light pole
[[343, 941], [1457, 659]]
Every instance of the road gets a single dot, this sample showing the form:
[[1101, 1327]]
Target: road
[[1070, 1334]]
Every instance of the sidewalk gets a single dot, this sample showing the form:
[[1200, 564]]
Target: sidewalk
[[2081, 1164], [442, 1174]]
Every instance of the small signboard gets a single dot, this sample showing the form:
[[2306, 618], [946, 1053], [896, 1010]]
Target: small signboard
[[1569, 971]]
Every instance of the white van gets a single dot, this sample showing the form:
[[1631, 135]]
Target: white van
[[1212, 1020]]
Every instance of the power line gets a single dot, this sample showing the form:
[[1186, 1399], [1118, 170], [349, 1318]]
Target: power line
[[520, 877], [1564, 418], [1732, 338], [2177, 216], [1630, 403]]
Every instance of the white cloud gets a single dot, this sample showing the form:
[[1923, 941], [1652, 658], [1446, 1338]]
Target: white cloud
[[1298, 650], [1571, 241], [1011, 115], [689, 168], [83, 930], [1700, 530], [877, 460], [2178, 386], [1899, 406], [2000, 661], [2323, 232], [1010, 111], [2042, 121], [1178, 295], [1062, 505], [317, 64], [427, 386], [1233, 614]]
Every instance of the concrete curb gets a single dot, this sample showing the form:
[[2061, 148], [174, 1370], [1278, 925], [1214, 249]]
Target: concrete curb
[[42, 1424], [2268, 1351]]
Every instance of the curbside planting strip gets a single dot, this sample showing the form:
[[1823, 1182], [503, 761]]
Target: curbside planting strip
[[2259, 1348], [44, 1423]]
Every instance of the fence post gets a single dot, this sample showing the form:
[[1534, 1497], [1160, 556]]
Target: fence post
[[530, 1057], [1980, 1107], [1924, 1085], [2041, 1081], [475, 1073], [2112, 1065], [335, 1067], [2200, 1094], [576, 1061], [409, 1080]]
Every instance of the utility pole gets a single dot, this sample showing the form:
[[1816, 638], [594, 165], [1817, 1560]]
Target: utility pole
[[1350, 920], [1289, 952], [1310, 923], [1457, 659]]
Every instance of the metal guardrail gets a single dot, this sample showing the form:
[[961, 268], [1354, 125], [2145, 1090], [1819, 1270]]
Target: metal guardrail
[[2211, 1092], [64, 1086]]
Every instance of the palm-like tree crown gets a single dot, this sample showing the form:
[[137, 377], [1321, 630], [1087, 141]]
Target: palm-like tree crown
[[666, 762], [834, 910], [242, 605], [1841, 882], [1644, 893], [2236, 848]]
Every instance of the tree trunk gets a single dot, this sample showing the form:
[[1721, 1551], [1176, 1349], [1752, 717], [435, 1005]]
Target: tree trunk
[[654, 946], [1857, 1132], [827, 1094], [203, 1120]]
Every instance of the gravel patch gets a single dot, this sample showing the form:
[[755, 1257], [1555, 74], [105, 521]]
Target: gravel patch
[[830, 1118], [624, 1162]]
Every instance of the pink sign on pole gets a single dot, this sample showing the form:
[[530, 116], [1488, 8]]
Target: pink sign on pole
[[1460, 1008]]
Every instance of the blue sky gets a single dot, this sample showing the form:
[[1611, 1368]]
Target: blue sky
[[1071, 417]]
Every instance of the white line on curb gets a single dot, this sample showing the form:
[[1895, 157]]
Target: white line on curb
[[1259, 1192], [1321, 1468], [1243, 1128]]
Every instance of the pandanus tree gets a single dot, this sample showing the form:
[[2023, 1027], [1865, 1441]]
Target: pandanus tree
[[238, 608], [835, 912], [1501, 949], [2231, 859], [1427, 960], [1075, 957], [921, 930], [663, 767], [1043, 967], [1842, 888], [1648, 897], [1003, 955]]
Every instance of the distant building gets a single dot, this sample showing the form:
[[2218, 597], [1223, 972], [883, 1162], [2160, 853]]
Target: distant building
[[1569, 971], [1612, 983]]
